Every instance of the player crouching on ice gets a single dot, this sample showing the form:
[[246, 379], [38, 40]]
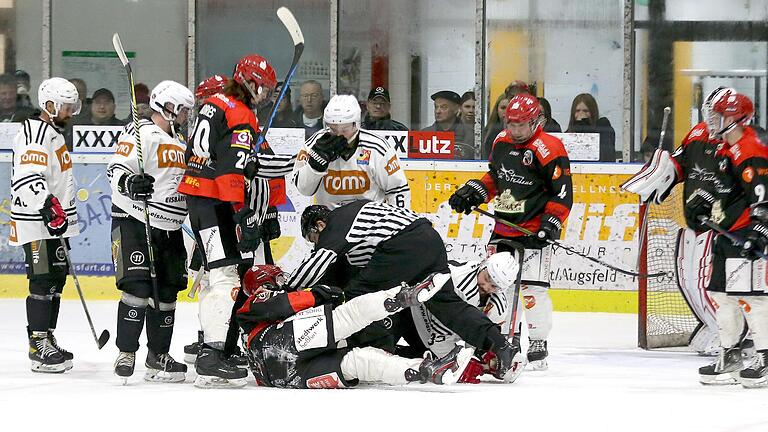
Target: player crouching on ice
[[728, 189], [297, 339]]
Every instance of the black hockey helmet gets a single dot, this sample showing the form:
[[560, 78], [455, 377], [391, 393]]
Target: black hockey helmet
[[311, 215]]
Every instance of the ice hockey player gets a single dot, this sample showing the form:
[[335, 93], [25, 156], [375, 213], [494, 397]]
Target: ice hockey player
[[529, 180], [729, 189], [296, 339], [484, 285], [163, 151], [390, 245], [42, 213], [342, 162], [223, 221]]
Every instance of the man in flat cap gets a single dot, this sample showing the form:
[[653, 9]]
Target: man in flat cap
[[447, 120], [378, 115]]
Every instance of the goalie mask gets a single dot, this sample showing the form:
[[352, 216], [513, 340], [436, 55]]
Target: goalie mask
[[736, 106], [524, 117], [266, 276], [713, 119]]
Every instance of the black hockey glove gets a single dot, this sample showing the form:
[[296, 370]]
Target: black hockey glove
[[325, 151], [550, 228], [327, 294], [137, 187], [249, 234], [251, 168], [472, 194], [271, 225], [698, 204], [756, 242], [54, 216], [508, 362]]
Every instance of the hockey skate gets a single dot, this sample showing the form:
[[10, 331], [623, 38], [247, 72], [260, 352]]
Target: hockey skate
[[192, 350], [756, 374], [725, 370], [446, 370], [44, 356], [238, 358], [163, 368], [215, 371], [537, 354], [124, 365], [416, 294]]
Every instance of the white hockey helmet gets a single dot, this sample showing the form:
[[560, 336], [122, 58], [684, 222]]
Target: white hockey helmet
[[342, 109], [170, 92], [60, 92], [502, 268]]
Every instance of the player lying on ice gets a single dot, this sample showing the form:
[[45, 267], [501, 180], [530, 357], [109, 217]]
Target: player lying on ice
[[297, 339]]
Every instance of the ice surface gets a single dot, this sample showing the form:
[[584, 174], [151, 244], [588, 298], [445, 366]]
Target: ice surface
[[597, 381]]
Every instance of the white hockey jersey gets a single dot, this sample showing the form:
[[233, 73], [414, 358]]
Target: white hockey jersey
[[42, 166], [373, 172], [163, 160], [435, 335]]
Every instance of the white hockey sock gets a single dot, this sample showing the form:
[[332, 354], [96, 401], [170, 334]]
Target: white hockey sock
[[756, 311], [374, 365], [538, 311], [216, 300], [356, 314], [730, 319]]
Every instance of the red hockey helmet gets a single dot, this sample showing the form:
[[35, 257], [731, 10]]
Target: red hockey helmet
[[737, 105], [524, 108], [265, 276], [210, 86], [255, 68]]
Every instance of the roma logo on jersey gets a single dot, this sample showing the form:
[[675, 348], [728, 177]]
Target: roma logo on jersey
[[124, 148], [346, 182], [65, 160], [170, 156], [35, 158]]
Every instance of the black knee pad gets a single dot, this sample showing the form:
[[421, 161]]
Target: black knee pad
[[167, 293], [47, 285], [136, 288]]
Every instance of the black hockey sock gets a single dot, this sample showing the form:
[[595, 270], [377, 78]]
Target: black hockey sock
[[55, 305], [159, 329], [38, 313], [234, 330], [130, 321]]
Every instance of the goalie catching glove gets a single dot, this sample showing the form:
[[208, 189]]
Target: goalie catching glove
[[655, 180]]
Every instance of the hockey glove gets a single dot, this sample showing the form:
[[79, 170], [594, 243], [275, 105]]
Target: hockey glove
[[327, 294], [271, 225], [251, 168], [325, 151], [699, 204], [137, 187], [54, 217], [472, 194], [550, 228], [248, 232], [509, 363], [756, 242]]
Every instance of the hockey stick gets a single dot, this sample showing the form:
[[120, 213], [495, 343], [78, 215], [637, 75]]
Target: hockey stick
[[139, 153], [555, 243], [736, 240], [104, 337], [644, 216], [199, 276]]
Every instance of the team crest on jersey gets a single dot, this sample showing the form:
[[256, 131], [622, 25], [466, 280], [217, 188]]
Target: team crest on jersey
[[364, 158], [748, 174], [241, 138], [506, 203], [527, 158]]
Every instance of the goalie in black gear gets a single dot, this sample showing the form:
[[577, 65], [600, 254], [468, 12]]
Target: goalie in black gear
[[297, 339]]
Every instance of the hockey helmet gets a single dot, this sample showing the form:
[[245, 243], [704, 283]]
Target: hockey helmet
[[710, 116], [59, 91], [503, 269], [342, 109], [524, 108], [311, 215], [733, 104], [256, 69], [210, 86], [265, 276], [170, 92]]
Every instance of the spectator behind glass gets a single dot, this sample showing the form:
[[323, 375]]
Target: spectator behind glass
[[514, 88], [585, 118], [495, 125], [648, 148], [103, 109], [310, 113], [447, 120], [377, 116], [467, 107], [551, 125], [9, 111], [284, 117], [22, 90], [142, 102]]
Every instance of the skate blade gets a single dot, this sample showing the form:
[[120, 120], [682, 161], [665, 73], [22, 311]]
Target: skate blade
[[45, 368], [155, 375], [190, 359], [537, 365], [752, 383], [206, 382], [452, 375], [730, 378], [518, 365]]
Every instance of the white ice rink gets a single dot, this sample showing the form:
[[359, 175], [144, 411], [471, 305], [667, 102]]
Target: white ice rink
[[597, 381]]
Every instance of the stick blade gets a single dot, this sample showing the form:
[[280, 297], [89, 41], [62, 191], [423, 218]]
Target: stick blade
[[289, 21], [103, 339], [119, 49]]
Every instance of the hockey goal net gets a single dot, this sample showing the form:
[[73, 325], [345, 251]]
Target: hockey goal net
[[665, 319]]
